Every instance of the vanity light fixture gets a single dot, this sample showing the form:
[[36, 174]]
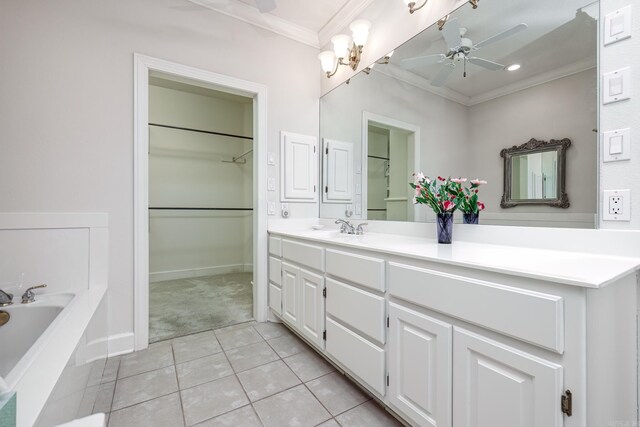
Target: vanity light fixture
[[347, 50], [381, 61], [412, 4], [512, 67]]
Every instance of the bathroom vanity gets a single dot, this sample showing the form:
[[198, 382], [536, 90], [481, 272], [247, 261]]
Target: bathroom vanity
[[467, 334]]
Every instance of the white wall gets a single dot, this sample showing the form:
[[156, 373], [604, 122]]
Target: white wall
[[562, 108], [186, 169], [66, 104], [625, 114]]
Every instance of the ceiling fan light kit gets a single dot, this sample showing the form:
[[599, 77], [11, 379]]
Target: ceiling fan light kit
[[347, 50]]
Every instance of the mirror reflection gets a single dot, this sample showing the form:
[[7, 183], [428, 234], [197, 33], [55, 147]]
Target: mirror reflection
[[448, 101]]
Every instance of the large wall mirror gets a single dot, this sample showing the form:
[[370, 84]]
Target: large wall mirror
[[449, 101]]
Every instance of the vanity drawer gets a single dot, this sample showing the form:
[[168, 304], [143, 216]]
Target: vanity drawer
[[363, 358], [360, 269], [275, 298], [275, 246], [275, 270], [357, 308], [526, 315], [303, 253]]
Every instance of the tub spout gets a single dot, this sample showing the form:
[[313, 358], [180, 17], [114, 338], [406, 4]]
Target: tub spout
[[5, 298], [29, 296]]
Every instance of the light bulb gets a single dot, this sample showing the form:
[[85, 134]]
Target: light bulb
[[341, 45], [512, 67], [360, 29], [327, 61]]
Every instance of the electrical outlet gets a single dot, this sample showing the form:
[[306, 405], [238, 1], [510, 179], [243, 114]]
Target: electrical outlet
[[616, 205]]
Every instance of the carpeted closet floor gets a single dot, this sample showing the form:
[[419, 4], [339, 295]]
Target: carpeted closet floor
[[186, 306]]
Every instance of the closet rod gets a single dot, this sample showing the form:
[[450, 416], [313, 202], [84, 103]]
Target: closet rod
[[198, 209], [377, 157], [201, 131]]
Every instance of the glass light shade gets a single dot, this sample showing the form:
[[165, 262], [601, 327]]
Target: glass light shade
[[327, 60], [360, 29], [341, 45]]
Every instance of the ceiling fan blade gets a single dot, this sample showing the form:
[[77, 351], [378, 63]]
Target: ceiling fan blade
[[265, 6], [420, 61], [489, 65], [443, 75], [502, 35], [451, 33]]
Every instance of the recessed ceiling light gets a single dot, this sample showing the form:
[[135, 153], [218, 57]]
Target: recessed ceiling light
[[512, 67]]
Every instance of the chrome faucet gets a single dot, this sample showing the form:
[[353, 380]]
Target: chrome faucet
[[29, 296], [359, 229], [5, 298], [345, 226]]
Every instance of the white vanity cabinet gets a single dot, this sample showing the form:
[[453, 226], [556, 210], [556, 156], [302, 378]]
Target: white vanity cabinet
[[445, 345]]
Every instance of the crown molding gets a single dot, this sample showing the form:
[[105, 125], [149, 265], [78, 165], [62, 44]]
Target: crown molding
[[542, 78], [343, 17], [252, 15], [401, 74]]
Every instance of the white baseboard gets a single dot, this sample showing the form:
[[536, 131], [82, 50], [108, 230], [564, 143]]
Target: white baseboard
[[161, 276], [120, 344], [97, 349]]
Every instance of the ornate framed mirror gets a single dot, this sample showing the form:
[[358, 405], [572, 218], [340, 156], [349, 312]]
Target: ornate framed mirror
[[535, 174]]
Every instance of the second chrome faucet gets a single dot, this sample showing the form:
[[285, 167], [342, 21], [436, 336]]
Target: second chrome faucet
[[347, 228]]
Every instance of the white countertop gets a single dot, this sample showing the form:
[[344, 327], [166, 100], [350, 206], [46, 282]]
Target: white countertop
[[565, 267]]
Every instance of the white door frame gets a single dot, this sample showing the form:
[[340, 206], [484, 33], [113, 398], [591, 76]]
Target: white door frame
[[414, 147], [143, 65]]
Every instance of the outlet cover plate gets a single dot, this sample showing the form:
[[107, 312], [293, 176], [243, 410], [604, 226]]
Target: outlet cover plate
[[616, 205]]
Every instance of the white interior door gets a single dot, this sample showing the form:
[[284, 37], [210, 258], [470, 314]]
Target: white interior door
[[338, 169], [290, 295], [420, 358], [498, 386], [312, 310]]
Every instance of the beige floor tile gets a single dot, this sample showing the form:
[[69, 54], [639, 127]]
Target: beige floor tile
[[195, 346], [243, 417], [294, 407], [235, 327], [369, 414], [203, 370], [238, 338], [161, 412], [307, 365], [330, 423], [250, 356], [139, 388], [288, 345], [337, 393], [212, 399], [270, 330], [157, 356], [267, 380]]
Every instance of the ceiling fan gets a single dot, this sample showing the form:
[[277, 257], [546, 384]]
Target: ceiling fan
[[459, 51]]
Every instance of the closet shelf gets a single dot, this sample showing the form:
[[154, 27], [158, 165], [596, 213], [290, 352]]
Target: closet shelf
[[210, 132], [197, 209]]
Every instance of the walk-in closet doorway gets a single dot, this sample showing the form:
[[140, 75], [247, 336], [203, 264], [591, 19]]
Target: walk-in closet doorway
[[197, 262]]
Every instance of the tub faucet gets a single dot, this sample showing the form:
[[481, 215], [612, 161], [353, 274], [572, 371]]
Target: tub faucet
[[29, 296], [5, 298], [345, 226]]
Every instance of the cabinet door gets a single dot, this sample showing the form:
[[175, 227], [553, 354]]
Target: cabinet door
[[420, 358], [498, 386], [290, 294], [299, 170], [338, 171], [312, 307]]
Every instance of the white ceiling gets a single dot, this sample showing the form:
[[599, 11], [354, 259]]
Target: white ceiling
[[311, 22], [557, 40]]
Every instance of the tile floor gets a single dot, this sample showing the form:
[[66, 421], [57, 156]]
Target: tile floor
[[252, 374], [186, 306]]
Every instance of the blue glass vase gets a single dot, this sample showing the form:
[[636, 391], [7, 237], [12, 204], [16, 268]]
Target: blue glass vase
[[471, 218], [444, 223]]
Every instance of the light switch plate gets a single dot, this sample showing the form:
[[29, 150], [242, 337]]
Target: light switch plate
[[617, 25], [358, 189], [271, 158], [616, 145], [358, 209], [616, 86], [271, 184], [616, 205], [271, 208]]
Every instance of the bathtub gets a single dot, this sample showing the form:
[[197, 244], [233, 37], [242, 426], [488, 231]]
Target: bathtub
[[26, 333]]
